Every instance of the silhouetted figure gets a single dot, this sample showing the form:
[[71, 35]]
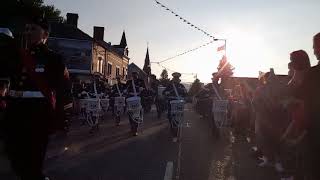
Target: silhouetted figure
[[175, 90], [139, 86], [35, 101], [309, 91], [206, 96]]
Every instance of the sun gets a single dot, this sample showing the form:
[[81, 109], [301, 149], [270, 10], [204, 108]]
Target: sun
[[245, 51]]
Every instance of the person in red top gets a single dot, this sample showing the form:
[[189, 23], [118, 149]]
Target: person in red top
[[35, 101]]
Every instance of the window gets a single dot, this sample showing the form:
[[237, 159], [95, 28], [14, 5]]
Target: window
[[100, 65], [123, 72], [109, 69], [117, 71]]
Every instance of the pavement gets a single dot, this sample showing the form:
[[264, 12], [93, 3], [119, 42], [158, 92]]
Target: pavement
[[112, 153]]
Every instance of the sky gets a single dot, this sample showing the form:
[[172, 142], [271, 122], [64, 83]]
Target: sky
[[260, 34]]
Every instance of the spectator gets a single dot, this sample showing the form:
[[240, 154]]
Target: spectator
[[295, 132], [270, 118], [309, 92]]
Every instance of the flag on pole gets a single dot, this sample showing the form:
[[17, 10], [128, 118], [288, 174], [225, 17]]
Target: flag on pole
[[221, 48]]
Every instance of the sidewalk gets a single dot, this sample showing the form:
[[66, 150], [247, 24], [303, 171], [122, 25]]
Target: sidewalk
[[233, 161], [246, 166]]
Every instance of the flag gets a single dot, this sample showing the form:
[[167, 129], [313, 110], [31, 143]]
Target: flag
[[221, 48]]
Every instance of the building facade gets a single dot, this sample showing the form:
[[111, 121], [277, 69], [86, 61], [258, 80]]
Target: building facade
[[110, 60], [85, 55]]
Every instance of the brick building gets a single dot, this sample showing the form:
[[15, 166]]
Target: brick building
[[110, 60], [86, 55]]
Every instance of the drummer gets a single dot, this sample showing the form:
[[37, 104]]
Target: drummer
[[174, 90], [117, 90], [134, 87]]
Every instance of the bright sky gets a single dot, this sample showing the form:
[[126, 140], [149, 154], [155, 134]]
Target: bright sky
[[261, 34]]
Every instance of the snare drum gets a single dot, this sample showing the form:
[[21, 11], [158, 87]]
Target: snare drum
[[104, 103], [220, 106], [119, 101], [134, 103], [177, 106], [93, 105]]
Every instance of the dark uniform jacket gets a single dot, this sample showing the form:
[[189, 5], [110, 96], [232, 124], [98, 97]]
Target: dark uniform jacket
[[154, 86], [114, 90], [51, 80], [170, 92], [209, 92], [139, 83]]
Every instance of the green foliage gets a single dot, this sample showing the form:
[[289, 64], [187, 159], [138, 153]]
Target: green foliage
[[15, 13], [164, 78], [225, 69]]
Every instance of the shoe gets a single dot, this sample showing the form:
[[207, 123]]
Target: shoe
[[248, 139], [279, 168], [254, 148], [46, 178], [135, 134], [175, 139], [264, 162]]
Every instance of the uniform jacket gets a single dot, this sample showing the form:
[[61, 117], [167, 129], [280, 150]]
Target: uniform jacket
[[114, 90], [139, 83], [52, 78], [170, 92]]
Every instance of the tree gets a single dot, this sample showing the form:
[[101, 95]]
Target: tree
[[164, 77], [195, 87], [15, 13], [225, 70]]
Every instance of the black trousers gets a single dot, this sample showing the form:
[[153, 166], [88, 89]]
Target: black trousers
[[134, 125], [26, 136], [174, 127]]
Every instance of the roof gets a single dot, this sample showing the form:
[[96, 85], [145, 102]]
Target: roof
[[122, 48], [133, 65], [110, 47], [63, 30], [123, 42], [147, 66]]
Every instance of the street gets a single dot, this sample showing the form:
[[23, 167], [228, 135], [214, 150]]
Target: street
[[112, 153]]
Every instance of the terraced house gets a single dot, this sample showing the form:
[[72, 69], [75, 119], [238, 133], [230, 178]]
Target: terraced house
[[85, 55]]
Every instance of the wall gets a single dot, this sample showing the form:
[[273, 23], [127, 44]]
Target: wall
[[99, 59], [119, 62], [77, 53], [103, 57]]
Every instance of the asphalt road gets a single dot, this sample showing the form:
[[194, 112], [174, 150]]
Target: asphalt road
[[113, 154]]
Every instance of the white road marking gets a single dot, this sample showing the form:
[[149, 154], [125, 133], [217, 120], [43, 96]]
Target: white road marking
[[169, 171]]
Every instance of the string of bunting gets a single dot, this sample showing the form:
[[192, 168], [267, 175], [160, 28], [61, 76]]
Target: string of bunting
[[185, 52], [183, 19], [164, 67]]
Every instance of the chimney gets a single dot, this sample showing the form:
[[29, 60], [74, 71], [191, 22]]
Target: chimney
[[72, 19], [98, 33]]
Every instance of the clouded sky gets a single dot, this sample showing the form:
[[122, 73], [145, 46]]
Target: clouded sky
[[261, 34]]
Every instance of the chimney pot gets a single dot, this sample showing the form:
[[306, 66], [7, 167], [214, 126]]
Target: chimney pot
[[98, 33], [72, 19]]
